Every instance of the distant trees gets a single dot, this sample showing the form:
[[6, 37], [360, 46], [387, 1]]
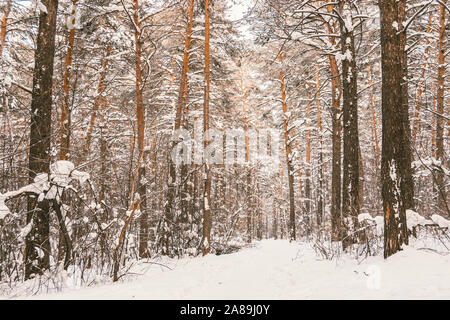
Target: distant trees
[[350, 43]]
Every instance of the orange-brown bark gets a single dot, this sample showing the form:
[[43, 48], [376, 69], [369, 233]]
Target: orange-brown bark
[[290, 169], [416, 125], [99, 101], [3, 23], [244, 105], [183, 93], [64, 147], [140, 117], [206, 241], [323, 165], [336, 95], [376, 143], [440, 150], [139, 82]]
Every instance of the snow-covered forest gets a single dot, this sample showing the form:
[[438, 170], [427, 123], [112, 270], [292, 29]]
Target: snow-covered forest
[[280, 146]]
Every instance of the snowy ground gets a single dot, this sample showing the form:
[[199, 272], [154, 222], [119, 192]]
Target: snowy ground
[[280, 270]]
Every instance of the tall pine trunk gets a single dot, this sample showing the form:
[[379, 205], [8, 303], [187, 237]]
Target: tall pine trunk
[[336, 179], [322, 164], [396, 159], [101, 88], [207, 223], [440, 150], [290, 168], [3, 23], [422, 83], [141, 184], [64, 148], [407, 181], [37, 242], [351, 179], [247, 160], [183, 95], [308, 191]]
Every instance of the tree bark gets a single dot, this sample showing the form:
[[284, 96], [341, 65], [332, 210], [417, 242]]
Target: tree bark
[[64, 148], [183, 96], [247, 160], [407, 173], [440, 150], [308, 165], [290, 168], [420, 90], [98, 101], [336, 179], [396, 159], [322, 165], [37, 243], [140, 117], [3, 23], [207, 223], [376, 143], [351, 180]]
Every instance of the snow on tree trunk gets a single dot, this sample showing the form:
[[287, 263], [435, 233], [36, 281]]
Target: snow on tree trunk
[[40, 133], [396, 160]]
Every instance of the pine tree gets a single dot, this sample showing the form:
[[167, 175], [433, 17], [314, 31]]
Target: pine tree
[[396, 160], [37, 251]]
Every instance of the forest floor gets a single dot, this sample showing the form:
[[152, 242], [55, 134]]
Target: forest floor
[[281, 270]]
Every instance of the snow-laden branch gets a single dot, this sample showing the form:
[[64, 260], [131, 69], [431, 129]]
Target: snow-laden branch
[[46, 187]]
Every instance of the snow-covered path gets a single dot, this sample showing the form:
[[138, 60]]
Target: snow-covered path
[[280, 270]]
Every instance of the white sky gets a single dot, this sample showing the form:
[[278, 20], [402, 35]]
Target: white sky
[[237, 12]]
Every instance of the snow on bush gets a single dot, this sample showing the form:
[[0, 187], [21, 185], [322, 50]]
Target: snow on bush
[[62, 174], [413, 219]]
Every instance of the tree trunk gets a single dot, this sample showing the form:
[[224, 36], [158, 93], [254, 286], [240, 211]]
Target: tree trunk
[[102, 183], [290, 168], [141, 183], [64, 148], [183, 96], [3, 23], [65, 121], [247, 160], [37, 242], [396, 159], [322, 165], [407, 173], [440, 150], [206, 241], [98, 101], [351, 182], [308, 195], [376, 143], [416, 124], [336, 94]]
